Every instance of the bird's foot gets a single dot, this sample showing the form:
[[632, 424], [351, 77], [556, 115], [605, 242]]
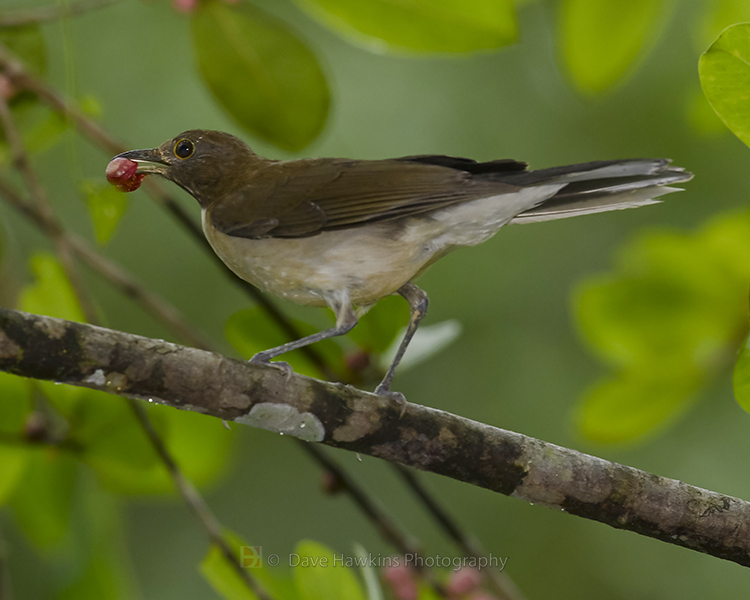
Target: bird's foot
[[400, 399], [263, 359]]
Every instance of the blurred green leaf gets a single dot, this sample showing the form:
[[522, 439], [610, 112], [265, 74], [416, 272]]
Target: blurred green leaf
[[669, 301], [319, 578], [117, 448], [225, 581], [51, 294], [101, 580], [377, 329], [97, 564], [718, 15], [427, 341], [420, 25], [266, 78], [251, 331], [42, 500], [46, 130], [602, 39], [15, 405], [634, 405], [14, 459], [27, 43], [725, 77], [668, 318], [106, 205]]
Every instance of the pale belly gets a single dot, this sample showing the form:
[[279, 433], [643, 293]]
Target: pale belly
[[366, 263]]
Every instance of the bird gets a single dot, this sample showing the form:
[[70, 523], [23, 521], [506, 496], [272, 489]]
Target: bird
[[344, 233]]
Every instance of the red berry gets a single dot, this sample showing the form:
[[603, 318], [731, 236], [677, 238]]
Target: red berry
[[121, 173]]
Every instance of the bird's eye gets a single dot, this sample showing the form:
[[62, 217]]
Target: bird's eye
[[184, 149]]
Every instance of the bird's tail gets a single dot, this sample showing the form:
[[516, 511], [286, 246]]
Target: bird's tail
[[599, 187]]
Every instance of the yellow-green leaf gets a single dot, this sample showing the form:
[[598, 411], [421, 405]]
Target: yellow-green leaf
[[725, 77], [420, 25], [635, 404], [602, 39], [106, 205], [43, 498], [318, 577], [51, 293]]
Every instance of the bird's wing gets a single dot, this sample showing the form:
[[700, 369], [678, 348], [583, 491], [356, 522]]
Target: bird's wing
[[303, 198]]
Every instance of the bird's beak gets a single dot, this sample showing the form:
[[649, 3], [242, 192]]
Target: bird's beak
[[149, 161]]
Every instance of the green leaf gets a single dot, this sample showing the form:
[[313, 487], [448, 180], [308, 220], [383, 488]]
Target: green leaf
[[635, 404], [319, 577], [225, 580], [378, 328], [251, 331], [420, 25], [43, 499], [106, 205], [102, 579], [671, 301], [15, 403], [266, 78], [117, 448], [15, 406], [46, 130], [27, 43], [51, 294], [427, 342], [668, 318], [14, 459], [602, 39], [725, 77]]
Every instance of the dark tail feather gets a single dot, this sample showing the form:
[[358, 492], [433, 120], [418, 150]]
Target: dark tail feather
[[600, 186]]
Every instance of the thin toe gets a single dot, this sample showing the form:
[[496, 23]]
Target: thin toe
[[397, 396]]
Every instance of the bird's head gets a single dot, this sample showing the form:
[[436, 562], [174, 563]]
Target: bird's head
[[207, 164]]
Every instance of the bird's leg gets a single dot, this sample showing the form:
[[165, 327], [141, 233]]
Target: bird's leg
[[346, 319], [418, 301]]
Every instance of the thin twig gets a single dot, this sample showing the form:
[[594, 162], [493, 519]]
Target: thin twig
[[501, 582], [152, 303], [387, 528], [51, 13], [195, 501], [41, 202]]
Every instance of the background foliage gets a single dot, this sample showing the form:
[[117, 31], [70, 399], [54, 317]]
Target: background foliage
[[659, 295]]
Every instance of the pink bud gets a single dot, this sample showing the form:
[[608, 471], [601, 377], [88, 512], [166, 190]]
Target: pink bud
[[185, 6], [402, 581], [464, 581]]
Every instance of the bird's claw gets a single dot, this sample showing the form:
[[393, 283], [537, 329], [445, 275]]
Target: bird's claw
[[263, 359], [399, 398]]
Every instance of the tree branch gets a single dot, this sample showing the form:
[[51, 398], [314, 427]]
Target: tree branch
[[341, 416]]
